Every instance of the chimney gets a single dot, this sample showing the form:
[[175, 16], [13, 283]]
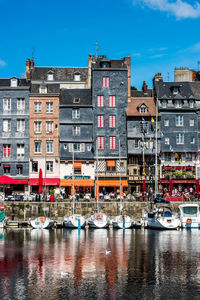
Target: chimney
[[128, 63], [32, 64], [28, 68], [89, 79], [145, 88], [158, 77]]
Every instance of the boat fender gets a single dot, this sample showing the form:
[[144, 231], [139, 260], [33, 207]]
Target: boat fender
[[189, 221]]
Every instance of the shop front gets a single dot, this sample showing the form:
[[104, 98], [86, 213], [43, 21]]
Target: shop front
[[50, 183], [107, 185], [13, 186], [82, 185]]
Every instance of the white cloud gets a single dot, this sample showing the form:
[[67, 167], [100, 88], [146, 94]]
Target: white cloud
[[2, 63], [180, 9]]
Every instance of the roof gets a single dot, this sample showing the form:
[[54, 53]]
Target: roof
[[5, 82], [186, 90], [61, 74], [51, 88], [113, 63], [67, 97], [135, 93], [135, 103]]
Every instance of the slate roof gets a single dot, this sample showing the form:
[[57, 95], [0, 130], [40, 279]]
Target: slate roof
[[67, 97], [135, 93], [114, 63], [61, 74], [51, 88], [187, 89], [5, 82], [137, 102]]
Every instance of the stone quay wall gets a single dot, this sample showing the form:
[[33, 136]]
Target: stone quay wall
[[57, 210]]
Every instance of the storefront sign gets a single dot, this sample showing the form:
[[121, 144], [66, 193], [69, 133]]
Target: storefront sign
[[77, 177]]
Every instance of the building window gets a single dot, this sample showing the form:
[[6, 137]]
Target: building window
[[164, 103], [100, 101], [191, 122], [6, 150], [49, 146], [136, 143], [188, 156], [175, 90], [112, 143], [76, 130], [49, 107], [75, 113], [112, 101], [65, 146], [35, 166], [166, 141], [77, 171], [37, 146], [50, 76], [166, 122], [43, 89], [49, 166], [76, 100], [191, 103], [100, 142], [112, 121], [180, 138], [168, 156], [143, 109], [13, 82], [77, 77], [78, 147], [6, 170], [178, 104], [49, 127], [100, 121], [192, 140], [6, 104], [179, 120], [20, 104], [37, 126], [105, 82], [20, 150], [21, 125], [6, 125], [19, 170], [37, 106]]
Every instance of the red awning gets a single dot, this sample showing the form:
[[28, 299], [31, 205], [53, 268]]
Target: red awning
[[8, 180], [22, 181], [49, 181]]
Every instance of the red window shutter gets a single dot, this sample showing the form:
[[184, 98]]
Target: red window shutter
[[114, 121], [114, 101], [102, 101], [114, 142], [103, 142], [108, 82]]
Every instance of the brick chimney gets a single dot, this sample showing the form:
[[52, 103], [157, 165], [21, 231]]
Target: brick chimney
[[145, 88], [32, 64], [89, 79], [128, 62], [28, 68], [158, 77]]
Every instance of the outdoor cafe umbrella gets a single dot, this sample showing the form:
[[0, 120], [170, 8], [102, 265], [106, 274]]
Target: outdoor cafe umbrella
[[171, 186], [40, 182], [144, 186], [197, 187]]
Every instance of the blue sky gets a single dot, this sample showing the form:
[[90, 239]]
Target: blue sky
[[157, 34]]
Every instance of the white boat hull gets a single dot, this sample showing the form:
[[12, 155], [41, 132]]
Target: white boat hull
[[163, 223], [189, 216], [74, 221], [190, 223], [42, 223], [3, 224], [96, 222], [123, 222]]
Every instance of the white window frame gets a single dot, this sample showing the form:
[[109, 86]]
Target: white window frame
[[192, 141], [49, 146], [49, 107], [191, 103], [13, 82], [37, 107], [78, 147], [166, 122], [6, 104], [105, 82], [100, 101], [6, 125], [101, 142], [77, 77], [20, 104], [112, 143], [191, 122], [164, 103], [7, 153], [43, 89], [112, 101], [37, 126], [49, 166], [76, 113], [39, 148], [20, 125], [112, 121], [76, 131], [20, 150], [100, 121], [178, 104], [179, 120], [180, 138], [166, 141], [49, 126], [50, 76]]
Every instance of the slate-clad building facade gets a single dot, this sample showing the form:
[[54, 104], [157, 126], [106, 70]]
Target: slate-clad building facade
[[110, 100], [14, 130], [76, 138], [178, 107]]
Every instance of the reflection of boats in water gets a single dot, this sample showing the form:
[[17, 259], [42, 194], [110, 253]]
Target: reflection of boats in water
[[38, 234], [42, 223], [74, 221], [2, 217], [162, 218], [122, 221], [189, 216], [98, 220]]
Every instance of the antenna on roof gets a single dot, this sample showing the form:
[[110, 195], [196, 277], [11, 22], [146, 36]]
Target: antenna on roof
[[97, 48]]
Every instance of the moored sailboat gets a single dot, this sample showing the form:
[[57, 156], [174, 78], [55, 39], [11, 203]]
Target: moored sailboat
[[42, 223]]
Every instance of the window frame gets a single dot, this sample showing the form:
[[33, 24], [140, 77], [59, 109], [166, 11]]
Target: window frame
[[178, 140], [105, 82], [49, 149], [39, 143]]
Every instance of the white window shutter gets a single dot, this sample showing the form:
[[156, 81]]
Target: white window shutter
[[70, 147]]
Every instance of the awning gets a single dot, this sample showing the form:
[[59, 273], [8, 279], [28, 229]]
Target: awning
[[77, 165], [113, 183], [48, 181], [8, 180], [6, 166], [110, 163], [164, 181], [77, 182], [184, 181], [22, 181]]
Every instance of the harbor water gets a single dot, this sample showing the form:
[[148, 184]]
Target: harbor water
[[99, 264]]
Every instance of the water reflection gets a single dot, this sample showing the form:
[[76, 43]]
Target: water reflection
[[99, 264]]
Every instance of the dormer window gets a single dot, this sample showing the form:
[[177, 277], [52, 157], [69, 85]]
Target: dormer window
[[13, 82], [76, 100], [164, 103], [143, 108], [175, 90], [178, 104], [50, 76], [77, 76], [191, 103], [43, 89]]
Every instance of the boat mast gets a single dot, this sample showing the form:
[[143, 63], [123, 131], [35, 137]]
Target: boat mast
[[156, 152], [73, 179], [121, 208], [97, 162]]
